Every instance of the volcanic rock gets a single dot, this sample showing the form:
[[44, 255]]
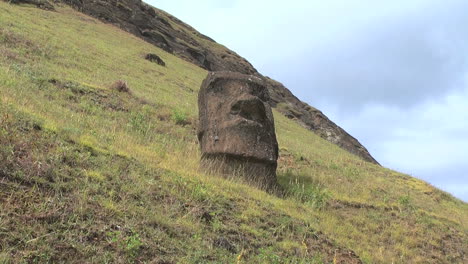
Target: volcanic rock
[[43, 4], [155, 58], [236, 129]]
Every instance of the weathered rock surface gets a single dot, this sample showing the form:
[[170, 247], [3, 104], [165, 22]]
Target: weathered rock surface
[[176, 37], [155, 58], [43, 4], [236, 129], [165, 31]]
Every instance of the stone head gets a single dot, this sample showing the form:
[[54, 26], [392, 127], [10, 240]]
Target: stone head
[[235, 118]]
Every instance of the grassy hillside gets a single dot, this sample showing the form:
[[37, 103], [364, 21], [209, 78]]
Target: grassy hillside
[[92, 175]]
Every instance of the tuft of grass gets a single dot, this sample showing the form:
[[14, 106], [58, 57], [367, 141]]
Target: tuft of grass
[[120, 86], [127, 241], [307, 193], [179, 117]]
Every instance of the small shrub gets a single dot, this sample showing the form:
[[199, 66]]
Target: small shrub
[[141, 122], [309, 194], [129, 242], [120, 86], [179, 117], [138, 122], [132, 245], [200, 192], [405, 203], [267, 255]]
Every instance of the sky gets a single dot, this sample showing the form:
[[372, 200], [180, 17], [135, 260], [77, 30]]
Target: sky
[[394, 74]]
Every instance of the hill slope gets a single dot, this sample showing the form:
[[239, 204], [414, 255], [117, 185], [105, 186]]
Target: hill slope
[[176, 37], [92, 175]]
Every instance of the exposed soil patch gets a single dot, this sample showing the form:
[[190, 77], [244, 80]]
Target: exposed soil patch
[[114, 99]]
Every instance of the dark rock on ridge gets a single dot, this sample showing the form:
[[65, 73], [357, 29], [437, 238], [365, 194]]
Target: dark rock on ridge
[[43, 4], [236, 129], [176, 37], [164, 31]]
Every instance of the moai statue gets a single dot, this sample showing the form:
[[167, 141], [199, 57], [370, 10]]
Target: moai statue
[[236, 129]]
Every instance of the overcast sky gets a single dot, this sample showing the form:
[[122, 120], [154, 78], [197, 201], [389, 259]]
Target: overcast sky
[[394, 74]]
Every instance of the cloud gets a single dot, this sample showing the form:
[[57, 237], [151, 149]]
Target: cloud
[[429, 141], [395, 58], [393, 64]]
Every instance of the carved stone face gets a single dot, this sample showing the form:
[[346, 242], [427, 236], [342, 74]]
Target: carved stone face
[[235, 119]]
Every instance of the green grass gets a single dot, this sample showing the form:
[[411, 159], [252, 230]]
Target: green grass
[[90, 174]]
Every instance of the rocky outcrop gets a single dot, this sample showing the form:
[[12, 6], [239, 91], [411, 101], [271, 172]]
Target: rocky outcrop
[[176, 37], [43, 4], [236, 129], [155, 58], [165, 31]]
